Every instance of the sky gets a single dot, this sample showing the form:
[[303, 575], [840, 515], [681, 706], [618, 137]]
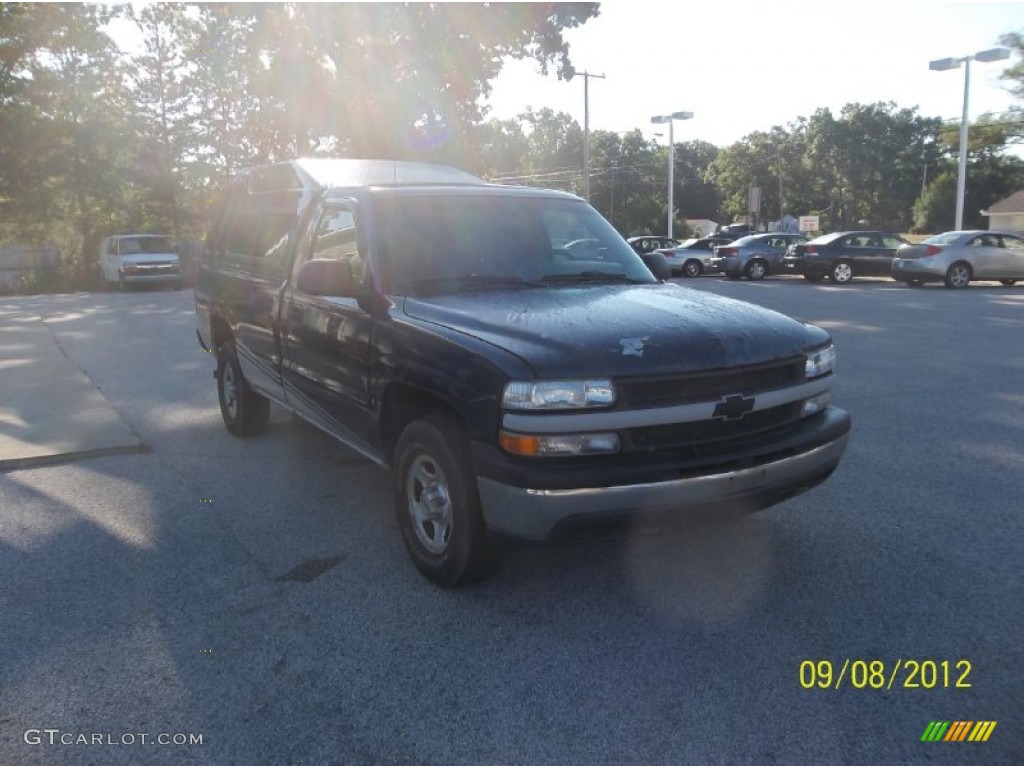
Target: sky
[[747, 66]]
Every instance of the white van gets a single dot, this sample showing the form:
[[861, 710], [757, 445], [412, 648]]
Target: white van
[[129, 259]]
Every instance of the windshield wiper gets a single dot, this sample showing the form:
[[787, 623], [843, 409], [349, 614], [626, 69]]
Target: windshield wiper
[[593, 277], [472, 282]]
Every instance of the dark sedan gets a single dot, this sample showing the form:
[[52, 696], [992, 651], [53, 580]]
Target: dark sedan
[[840, 256]]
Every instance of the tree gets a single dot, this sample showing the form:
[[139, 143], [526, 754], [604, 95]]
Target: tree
[[71, 135], [624, 185], [695, 196], [1015, 72], [161, 101], [408, 77], [502, 148], [991, 179]]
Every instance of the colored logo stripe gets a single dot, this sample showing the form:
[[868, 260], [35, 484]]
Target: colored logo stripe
[[958, 730], [982, 731]]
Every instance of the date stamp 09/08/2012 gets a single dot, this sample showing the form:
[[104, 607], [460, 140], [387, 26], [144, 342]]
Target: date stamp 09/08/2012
[[878, 675]]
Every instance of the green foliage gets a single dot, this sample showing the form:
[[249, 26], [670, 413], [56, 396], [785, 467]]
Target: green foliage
[[66, 122], [990, 179], [96, 141], [1015, 72], [628, 182], [867, 164]]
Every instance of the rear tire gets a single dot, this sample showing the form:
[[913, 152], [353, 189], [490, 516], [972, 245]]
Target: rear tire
[[842, 272], [732, 276], [914, 283], [245, 412], [437, 503], [756, 270], [958, 275], [692, 268], [814, 278], [1008, 282]]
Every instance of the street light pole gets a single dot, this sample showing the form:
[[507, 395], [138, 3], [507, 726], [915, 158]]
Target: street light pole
[[586, 132], [941, 65], [658, 119]]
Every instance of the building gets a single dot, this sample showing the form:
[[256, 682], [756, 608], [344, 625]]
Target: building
[[702, 227], [1007, 214]]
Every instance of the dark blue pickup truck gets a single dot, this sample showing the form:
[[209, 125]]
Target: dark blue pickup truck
[[438, 325]]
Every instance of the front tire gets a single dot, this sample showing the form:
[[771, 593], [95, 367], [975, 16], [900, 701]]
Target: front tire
[[437, 503], [245, 412], [813, 277], [692, 268], [915, 283], [958, 275], [842, 272], [1008, 282], [756, 270]]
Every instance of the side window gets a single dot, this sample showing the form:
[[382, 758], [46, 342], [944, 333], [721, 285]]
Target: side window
[[891, 242], [336, 238], [256, 234], [1015, 244], [988, 241]]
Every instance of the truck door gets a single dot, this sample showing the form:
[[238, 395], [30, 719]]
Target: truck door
[[326, 339], [250, 255]]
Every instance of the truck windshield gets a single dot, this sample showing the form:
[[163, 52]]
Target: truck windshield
[[441, 243]]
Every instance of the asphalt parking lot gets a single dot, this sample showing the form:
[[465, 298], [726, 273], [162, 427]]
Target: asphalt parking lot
[[256, 592]]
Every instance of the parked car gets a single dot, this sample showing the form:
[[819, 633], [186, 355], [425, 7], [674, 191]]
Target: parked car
[[956, 258], [754, 256], [840, 256], [693, 257], [584, 248], [736, 230], [126, 260], [646, 243], [429, 321]]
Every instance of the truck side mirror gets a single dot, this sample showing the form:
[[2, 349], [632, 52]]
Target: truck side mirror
[[327, 277], [655, 262]]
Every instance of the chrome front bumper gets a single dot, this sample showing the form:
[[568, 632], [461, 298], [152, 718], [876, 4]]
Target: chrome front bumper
[[534, 514]]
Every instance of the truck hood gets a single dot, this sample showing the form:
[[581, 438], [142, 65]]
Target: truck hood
[[620, 330]]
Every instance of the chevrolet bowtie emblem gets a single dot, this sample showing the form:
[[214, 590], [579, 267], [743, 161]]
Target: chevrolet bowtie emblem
[[733, 407]]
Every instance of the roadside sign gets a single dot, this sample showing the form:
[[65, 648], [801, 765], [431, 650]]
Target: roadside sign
[[753, 199], [808, 223]]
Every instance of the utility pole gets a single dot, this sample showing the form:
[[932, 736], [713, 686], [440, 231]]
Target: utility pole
[[586, 131], [782, 212]]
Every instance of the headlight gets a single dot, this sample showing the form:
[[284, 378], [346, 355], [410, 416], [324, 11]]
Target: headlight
[[559, 445], [820, 362], [557, 395]]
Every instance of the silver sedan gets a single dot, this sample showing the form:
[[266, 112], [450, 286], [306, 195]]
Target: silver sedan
[[956, 258]]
